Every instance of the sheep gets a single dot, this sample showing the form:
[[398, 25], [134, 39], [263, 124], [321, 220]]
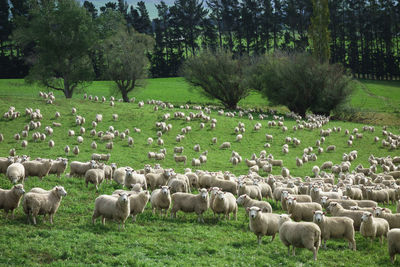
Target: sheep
[[41, 204], [16, 173], [36, 168], [180, 159], [299, 234], [155, 180], [137, 203], [119, 175], [113, 208], [253, 191], [366, 203], [101, 157], [380, 196], [196, 148], [247, 202], [75, 150], [10, 199], [393, 237], [149, 141], [354, 193], [262, 224], [337, 210], [392, 219], [266, 190], [160, 199], [109, 145], [225, 145], [66, 149], [277, 162], [327, 165], [301, 211], [299, 198], [214, 140], [373, 227], [335, 227], [178, 185], [331, 148], [24, 143], [196, 162], [191, 203], [58, 166], [225, 203], [78, 169], [131, 177], [316, 194], [4, 163], [94, 176], [178, 149]]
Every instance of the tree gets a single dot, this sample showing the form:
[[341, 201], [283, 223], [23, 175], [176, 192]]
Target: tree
[[319, 32], [90, 8], [62, 33], [218, 75], [126, 59], [5, 28]]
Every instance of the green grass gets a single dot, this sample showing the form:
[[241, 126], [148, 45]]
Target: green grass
[[152, 241]]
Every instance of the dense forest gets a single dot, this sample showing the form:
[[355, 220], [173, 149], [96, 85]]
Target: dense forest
[[364, 35]]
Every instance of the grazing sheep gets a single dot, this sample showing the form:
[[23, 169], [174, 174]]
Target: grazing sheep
[[346, 203], [78, 169], [335, 227], [191, 203], [58, 166], [262, 224], [160, 199], [225, 203], [331, 148], [9, 199], [299, 234], [196, 162], [180, 159], [43, 203], [392, 219], [337, 210], [393, 237], [225, 145], [253, 191], [373, 227], [36, 168], [301, 211], [113, 208], [101, 157], [94, 176], [247, 202], [16, 173], [149, 141]]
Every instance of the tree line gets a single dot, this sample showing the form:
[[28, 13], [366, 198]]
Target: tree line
[[364, 35]]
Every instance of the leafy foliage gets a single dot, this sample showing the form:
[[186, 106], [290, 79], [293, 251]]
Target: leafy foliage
[[218, 75]]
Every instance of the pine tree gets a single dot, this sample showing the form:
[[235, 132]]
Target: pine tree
[[319, 33]]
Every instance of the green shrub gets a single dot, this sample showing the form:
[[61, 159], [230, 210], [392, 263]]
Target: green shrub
[[300, 82]]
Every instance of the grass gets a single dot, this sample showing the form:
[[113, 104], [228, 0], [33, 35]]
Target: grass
[[153, 241]]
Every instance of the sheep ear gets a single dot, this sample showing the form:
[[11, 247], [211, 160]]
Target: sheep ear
[[248, 209], [285, 198], [374, 208], [120, 194], [169, 187], [129, 195], [323, 213], [313, 211], [370, 214], [294, 198]]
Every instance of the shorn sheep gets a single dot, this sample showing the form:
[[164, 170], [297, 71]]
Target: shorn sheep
[[373, 227], [41, 204], [109, 207], [262, 224], [9, 199], [299, 234], [335, 227], [191, 203]]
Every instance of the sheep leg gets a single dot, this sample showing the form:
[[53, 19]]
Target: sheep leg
[[133, 218], [288, 250], [259, 237], [34, 219], [6, 214], [315, 251], [325, 244], [51, 218], [273, 237], [103, 220]]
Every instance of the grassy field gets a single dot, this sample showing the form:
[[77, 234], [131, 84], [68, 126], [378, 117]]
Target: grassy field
[[152, 241]]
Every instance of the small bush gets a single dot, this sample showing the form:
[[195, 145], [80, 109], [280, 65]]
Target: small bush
[[300, 82], [218, 75]]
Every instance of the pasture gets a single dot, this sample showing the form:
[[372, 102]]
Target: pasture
[[153, 241]]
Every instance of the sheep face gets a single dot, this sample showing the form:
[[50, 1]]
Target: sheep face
[[123, 197], [204, 193], [284, 218], [165, 190], [61, 191], [19, 189], [285, 193], [378, 211], [241, 199], [318, 216], [254, 212], [290, 200], [221, 195], [366, 216]]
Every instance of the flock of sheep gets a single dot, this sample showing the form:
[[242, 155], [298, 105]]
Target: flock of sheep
[[351, 197]]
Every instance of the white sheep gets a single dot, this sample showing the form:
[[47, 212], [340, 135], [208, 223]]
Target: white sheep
[[263, 224], [393, 238], [131, 177], [155, 180], [16, 173], [78, 169], [160, 199], [110, 207], [37, 168], [191, 203], [225, 203], [337, 210], [253, 191], [58, 166], [299, 234], [301, 211], [373, 227], [225, 145], [335, 227], [392, 219], [41, 204], [75, 150], [9, 199], [95, 177], [247, 202]]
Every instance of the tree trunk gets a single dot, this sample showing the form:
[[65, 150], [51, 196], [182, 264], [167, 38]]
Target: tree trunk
[[67, 90], [125, 96]]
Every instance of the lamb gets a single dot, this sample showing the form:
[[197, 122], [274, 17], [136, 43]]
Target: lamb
[[101, 157], [58, 166], [160, 199], [337, 210], [10, 199], [335, 227], [78, 169], [94, 176], [155, 180], [36, 168], [373, 227], [299, 234], [247, 202], [393, 238], [180, 159], [392, 219], [301, 211], [253, 191], [16, 173], [41, 204], [380, 196], [225, 203], [131, 177], [354, 193], [191, 203], [113, 208], [262, 224], [225, 145]]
